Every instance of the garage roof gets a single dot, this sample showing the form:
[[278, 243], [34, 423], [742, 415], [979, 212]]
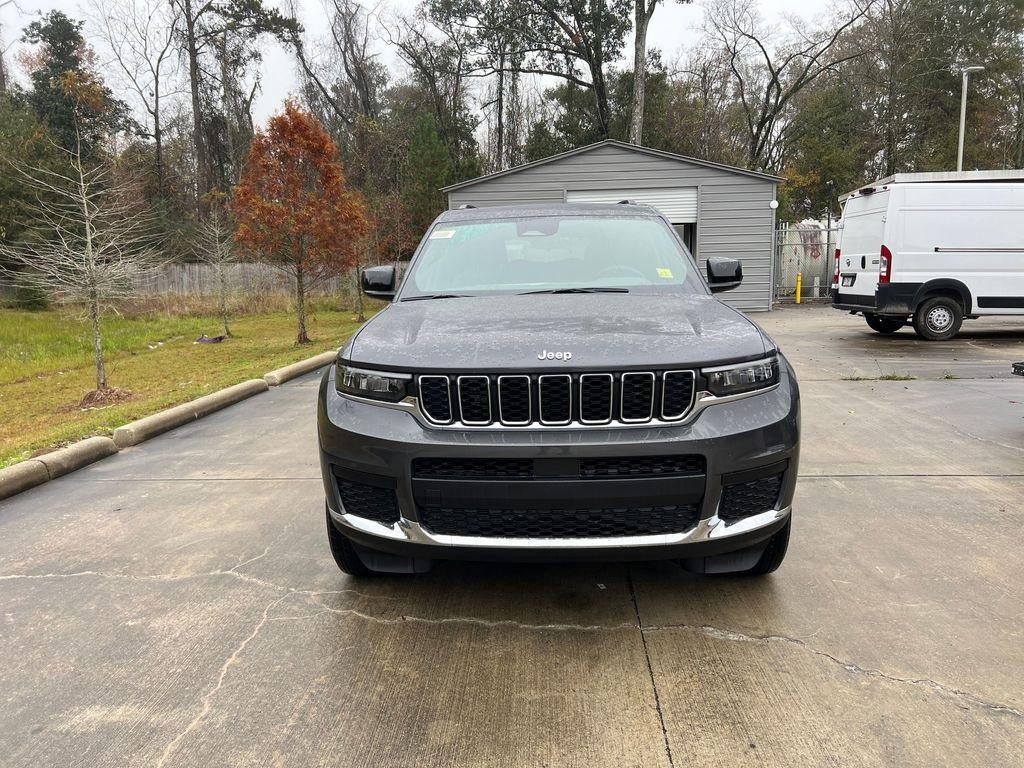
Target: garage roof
[[620, 145]]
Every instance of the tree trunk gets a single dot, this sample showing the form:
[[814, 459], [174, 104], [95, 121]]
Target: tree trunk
[[97, 341], [642, 16], [300, 305], [500, 105], [222, 282], [601, 94], [359, 294], [158, 140], [202, 157]]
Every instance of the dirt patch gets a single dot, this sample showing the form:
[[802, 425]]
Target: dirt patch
[[99, 398]]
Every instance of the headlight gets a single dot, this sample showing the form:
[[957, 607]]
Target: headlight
[[376, 385], [742, 377]]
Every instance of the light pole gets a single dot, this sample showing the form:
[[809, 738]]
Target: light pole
[[966, 72]]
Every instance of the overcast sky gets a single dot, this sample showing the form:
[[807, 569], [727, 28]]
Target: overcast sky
[[672, 31]]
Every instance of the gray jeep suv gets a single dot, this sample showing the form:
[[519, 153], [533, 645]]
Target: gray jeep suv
[[559, 383]]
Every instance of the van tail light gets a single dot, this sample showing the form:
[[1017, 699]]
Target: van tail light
[[885, 265], [835, 274]]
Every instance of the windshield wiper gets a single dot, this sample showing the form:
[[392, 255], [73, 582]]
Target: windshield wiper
[[577, 290], [426, 296]]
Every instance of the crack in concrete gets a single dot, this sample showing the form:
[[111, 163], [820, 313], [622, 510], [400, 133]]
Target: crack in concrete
[[208, 696], [849, 666], [650, 668], [970, 436], [710, 631], [103, 575], [170, 577], [468, 620]]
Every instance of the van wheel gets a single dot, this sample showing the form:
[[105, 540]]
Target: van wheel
[[884, 324], [938, 318], [344, 553]]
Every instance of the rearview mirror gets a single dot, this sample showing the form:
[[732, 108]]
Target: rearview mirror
[[724, 274], [379, 282]]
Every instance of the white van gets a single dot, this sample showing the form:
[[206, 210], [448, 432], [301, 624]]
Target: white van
[[932, 249]]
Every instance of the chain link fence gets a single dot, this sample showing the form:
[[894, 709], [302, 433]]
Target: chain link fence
[[809, 248]]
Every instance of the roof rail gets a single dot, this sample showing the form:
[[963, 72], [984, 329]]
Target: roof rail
[[464, 206]]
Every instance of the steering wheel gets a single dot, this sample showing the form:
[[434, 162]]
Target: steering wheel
[[619, 269]]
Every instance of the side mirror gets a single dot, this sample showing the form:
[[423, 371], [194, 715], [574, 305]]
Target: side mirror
[[724, 274], [379, 282]]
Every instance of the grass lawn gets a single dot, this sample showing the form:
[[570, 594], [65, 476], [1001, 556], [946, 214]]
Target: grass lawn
[[46, 366]]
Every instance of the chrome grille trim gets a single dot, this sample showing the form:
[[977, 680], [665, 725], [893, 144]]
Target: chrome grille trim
[[540, 398], [487, 384], [529, 402], [611, 397], [654, 415], [622, 399], [448, 389], [693, 394]]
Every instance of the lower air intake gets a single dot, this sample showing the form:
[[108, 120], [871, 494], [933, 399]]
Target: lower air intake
[[559, 524], [368, 501], [741, 500]]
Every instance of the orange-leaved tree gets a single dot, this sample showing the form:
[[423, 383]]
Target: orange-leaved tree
[[293, 208]]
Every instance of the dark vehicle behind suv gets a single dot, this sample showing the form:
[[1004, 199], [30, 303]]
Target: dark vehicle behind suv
[[558, 383]]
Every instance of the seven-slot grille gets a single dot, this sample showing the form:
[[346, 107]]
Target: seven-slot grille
[[558, 399]]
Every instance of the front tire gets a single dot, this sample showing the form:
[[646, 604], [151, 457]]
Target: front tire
[[344, 553], [885, 325], [938, 318], [774, 553]]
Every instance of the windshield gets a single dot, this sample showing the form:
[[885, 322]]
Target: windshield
[[551, 253]]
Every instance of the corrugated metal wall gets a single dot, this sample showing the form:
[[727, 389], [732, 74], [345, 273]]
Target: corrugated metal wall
[[734, 218], [677, 204]]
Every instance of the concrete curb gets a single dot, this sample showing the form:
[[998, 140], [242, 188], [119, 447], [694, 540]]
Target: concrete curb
[[32, 472], [289, 372], [22, 476], [135, 432], [36, 471], [76, 455]]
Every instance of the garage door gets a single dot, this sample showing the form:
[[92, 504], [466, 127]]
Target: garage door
[[677, 204]]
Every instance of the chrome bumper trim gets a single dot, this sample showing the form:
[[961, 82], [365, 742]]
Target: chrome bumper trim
[[710, 529]]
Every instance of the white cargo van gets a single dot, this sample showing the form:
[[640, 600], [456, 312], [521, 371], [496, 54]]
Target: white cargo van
[[932, 249]]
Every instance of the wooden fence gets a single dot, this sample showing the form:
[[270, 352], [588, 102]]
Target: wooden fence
[[251, 278]]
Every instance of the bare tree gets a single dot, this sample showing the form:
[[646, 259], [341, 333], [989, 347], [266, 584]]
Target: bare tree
[[643, 12], [347, 77], [438, 52], [89, 243], [203, 24], [767, 75], [141, 36], [215, 246], [3, 49], [572, 40], [3, 69]]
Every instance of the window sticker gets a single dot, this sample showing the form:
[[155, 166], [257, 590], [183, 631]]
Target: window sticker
[[666, 273], [442, 234]]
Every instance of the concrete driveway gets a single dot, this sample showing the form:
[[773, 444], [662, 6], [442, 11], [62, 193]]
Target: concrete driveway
[[176, 604]]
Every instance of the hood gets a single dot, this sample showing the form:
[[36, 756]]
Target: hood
[[607, 331]]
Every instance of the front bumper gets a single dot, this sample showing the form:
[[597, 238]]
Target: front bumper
[[736, 439]]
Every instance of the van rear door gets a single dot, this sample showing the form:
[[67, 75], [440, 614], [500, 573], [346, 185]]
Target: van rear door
[[861, 235]]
